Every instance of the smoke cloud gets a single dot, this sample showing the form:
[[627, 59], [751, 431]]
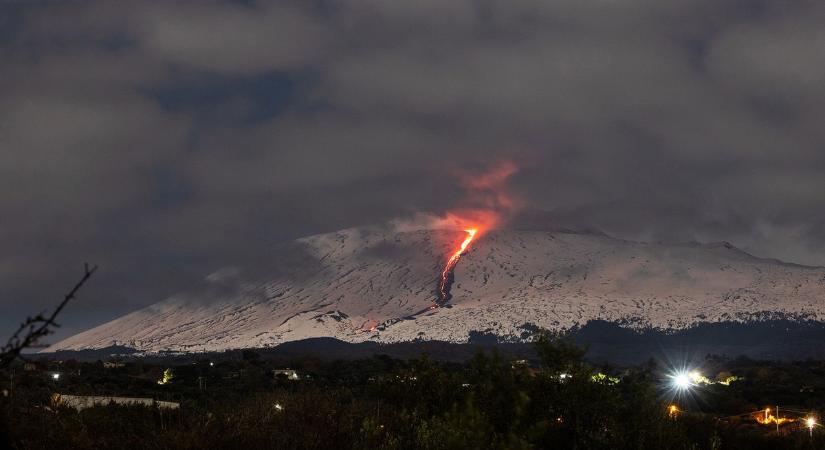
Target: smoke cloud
[[166, 141]]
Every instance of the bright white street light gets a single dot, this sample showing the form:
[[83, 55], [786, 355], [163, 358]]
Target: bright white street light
[[682, 381], [55, 376]]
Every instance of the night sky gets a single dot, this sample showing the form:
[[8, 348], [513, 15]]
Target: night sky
[[166, 140]]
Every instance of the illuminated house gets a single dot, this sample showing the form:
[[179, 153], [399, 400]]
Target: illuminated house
[[79, 402], [285, 374]]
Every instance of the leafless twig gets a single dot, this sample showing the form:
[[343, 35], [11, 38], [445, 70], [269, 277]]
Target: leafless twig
[[35, 328]]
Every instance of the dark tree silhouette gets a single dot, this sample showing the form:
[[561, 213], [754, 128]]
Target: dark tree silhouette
[[33, 329]]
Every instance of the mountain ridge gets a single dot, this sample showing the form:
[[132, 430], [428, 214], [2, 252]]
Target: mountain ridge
[[376, 284]]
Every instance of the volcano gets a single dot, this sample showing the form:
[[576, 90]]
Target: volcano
[[375, 284]]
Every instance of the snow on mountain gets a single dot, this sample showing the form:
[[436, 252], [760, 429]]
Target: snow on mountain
[[367, 284]]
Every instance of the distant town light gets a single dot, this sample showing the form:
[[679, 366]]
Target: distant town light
[[55, 376], [168, 375], [682, 381]]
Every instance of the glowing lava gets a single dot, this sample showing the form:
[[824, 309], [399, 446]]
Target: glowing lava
[[447, 275]]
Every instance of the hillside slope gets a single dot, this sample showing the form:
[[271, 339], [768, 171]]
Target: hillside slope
[[372, 284]]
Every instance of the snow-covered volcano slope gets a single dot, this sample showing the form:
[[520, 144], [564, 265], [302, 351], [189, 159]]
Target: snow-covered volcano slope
[[363, 284]]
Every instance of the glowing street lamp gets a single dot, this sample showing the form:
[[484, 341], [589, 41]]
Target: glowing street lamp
[[682, 381], [55, 376], [811, 423]]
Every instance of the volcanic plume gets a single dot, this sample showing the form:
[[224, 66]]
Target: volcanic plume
[[490, 205]]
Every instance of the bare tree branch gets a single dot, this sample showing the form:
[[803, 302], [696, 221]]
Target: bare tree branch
[[35, 328]]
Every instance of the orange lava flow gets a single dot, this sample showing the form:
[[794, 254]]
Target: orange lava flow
[[448, 268]]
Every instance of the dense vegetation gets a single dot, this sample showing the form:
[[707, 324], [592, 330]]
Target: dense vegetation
[[382, 403]]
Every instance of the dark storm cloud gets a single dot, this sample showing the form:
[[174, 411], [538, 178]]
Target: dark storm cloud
[[166, 140]]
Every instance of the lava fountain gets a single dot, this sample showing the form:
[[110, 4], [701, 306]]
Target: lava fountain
[[446, 281]]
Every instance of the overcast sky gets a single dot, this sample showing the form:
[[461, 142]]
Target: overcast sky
[[165, 140]]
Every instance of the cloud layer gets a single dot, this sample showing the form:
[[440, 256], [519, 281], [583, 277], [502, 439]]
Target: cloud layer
[[167, 140]]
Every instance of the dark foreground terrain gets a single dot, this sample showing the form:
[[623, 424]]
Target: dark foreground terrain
[[552, 399], [775, 339]]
